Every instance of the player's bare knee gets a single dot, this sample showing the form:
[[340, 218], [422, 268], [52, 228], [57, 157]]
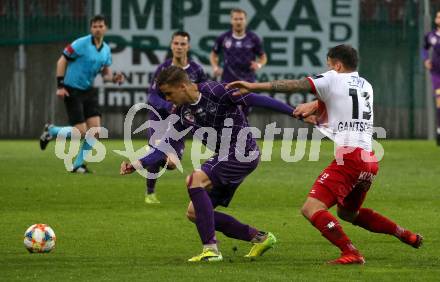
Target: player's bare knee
[[189, 180], [190, 214], [172, 159], [193, 181], [311, 206], [197, 179], [305, 211], [171, 165]]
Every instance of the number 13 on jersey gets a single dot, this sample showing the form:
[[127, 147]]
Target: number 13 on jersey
[[360, 102]]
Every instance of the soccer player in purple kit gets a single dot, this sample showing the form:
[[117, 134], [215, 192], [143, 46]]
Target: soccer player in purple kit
[[210, 105], [242, 52], [180, 45], [432, 40]]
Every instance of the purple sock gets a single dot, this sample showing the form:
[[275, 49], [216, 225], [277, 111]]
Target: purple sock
[[233, 228], [204, 214], [151, 183]]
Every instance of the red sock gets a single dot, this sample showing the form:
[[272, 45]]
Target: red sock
[[374, 222], [332, 230]]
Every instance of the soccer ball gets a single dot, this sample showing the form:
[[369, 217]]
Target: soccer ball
[[39, 238]]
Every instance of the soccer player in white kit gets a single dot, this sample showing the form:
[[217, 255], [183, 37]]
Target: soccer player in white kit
[[344, 108]]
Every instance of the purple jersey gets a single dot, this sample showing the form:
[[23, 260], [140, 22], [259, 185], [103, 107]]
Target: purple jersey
[[432, 40], [238, 53], [216, 109], [215, 105], [156, 98]]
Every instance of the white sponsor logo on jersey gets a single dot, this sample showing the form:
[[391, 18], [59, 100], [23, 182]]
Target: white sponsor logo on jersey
[[228, 44]]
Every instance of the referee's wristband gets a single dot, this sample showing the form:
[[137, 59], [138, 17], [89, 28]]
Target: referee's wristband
[[60, 82]]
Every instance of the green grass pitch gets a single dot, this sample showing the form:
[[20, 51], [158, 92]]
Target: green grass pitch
[[105, 231]]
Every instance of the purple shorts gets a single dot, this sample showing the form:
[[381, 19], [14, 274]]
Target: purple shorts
[[225, 177], [179, 146]]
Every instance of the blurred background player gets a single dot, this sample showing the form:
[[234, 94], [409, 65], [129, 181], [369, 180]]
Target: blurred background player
[[77, 68], [346, 102], [241, 50], [180, 45], [432, 40], [210, 105]]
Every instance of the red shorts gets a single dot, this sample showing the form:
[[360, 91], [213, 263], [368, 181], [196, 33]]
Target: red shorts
[[347, 179]]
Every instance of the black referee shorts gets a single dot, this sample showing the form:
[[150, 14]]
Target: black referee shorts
[[81, 104]]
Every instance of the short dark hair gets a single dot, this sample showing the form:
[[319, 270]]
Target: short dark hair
[[172, 75], [98, 18], [346, 54], [181, 33], [238, 10]]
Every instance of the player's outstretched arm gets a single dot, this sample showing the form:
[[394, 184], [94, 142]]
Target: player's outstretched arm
[[289, 86], [285, 86], [270, 103]]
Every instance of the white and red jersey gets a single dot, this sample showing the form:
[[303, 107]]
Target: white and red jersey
[[348, 113]]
